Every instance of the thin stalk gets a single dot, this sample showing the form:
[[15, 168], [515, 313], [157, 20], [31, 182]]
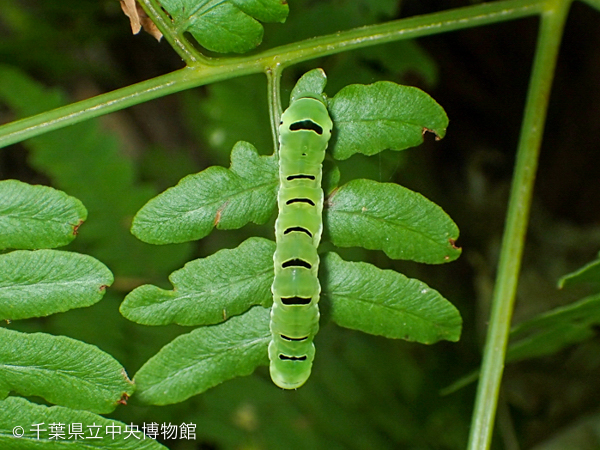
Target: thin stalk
[[549, 37], [199, 73], [113, 101], [409, 28], [273, 87]]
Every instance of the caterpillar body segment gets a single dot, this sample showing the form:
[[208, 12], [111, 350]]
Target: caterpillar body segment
[[304, 132]]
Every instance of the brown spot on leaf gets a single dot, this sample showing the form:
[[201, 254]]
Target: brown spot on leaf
[[453, 244], [123, 399], [219, 214], [329, 201], [76, 227], [427, 130]]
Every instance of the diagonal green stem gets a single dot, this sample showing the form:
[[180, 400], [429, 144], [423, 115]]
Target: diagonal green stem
[[409, 28], [549, 37], [204, 71], [112, 101]]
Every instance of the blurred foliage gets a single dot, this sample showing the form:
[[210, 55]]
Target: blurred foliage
[[367, 392]]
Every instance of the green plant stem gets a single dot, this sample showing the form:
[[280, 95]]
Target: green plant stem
[[208, 70], [170, 83], [409, 28], [274, 82], [549, 37]]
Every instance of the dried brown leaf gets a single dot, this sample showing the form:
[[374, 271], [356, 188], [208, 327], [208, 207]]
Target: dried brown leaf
[[139, 19]]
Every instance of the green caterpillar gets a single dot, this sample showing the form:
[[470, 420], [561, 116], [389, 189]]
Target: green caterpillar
[[304, 132]]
